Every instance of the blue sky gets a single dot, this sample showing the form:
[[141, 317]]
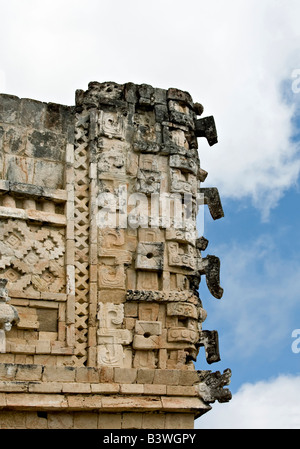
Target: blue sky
[[240, 59], [260, 308], [260, 277]]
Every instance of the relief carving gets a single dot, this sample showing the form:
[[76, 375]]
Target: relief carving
[[112, 276], [148, 328], [180, 334], [32, 258], [147, 133], [128, 278], [205, 127], [150, 256], [211, 386], [181, 235], [148, 181], [181, 255], [183, 163], [112, 125], [212, 199], [144, 359], [182, 309], [210, 266], [111, 337], [161, 296], [210, 341], [182, 182], [112, 160]]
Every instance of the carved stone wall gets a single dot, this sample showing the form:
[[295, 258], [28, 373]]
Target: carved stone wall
[[36, 217], [102, 259]]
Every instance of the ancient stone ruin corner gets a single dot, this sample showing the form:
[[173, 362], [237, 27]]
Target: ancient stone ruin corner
[[100, 261]]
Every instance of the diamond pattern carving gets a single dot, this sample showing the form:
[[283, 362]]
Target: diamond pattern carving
[[32, 257], [81, 231]]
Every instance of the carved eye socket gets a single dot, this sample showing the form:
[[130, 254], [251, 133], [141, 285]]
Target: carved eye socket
[[149, 255]]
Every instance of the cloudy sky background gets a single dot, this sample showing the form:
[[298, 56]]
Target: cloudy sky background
[[240, 59]]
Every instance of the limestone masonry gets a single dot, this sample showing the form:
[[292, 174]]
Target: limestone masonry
[[100, 261]]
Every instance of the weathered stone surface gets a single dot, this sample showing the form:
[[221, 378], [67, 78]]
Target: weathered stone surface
[[150, 256], [101, 257], [210, 266], [210, 341], [212, 199], [211, 386], [205, 127], [8, 315]]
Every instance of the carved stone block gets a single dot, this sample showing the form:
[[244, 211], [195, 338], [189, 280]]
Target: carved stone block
[[32, 257], [181, 113], [113, 159], [181, 255], [112, 276], [180, 96], [8, 314], [110, 336], [145, 343], [148, 181], [148, 328], [212, 199], [144, 359], [110, 354], [148, 311], [182, 182], [205, 127], [182, 309], [150, 256], [110, 315], [181, 334], [181, 235], [183, 163], [210, 266], [147, 133], [210, 341], [161, 296], [112, 124], [211, 386]]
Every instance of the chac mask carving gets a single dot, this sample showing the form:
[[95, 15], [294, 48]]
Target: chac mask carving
[[99, 245]]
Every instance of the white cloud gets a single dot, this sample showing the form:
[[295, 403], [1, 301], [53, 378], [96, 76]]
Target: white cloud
[[232, 56], [271, 404], [255, 157]]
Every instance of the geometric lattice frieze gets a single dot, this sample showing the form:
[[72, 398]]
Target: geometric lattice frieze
[[32, 257]]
